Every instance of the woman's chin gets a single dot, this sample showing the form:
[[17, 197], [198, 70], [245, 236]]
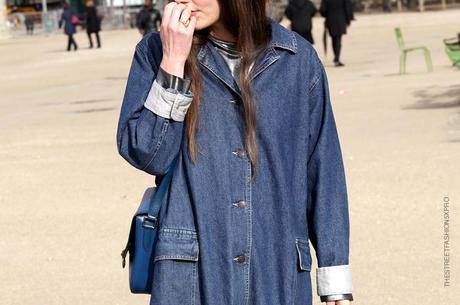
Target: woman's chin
[[198, 25]]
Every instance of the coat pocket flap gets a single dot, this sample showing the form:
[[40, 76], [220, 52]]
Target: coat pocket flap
[[178, 244], [303, 253]]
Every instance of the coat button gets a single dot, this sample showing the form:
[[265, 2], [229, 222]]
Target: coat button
[[239, 152], [240, 204], [240, 258], [235, 101]]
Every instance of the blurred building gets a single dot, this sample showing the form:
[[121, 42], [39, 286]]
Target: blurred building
[[37, 5], [122, 13]]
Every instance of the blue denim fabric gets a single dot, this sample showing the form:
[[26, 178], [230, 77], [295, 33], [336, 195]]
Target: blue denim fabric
[[223, 238]]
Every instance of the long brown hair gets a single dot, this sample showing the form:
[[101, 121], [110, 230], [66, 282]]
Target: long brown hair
[[246, 20]]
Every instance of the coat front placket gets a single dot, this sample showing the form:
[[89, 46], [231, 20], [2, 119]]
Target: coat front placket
[[224, 98]]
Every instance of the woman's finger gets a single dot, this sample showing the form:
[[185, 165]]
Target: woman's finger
[[167, 13], [177, 11], [185, 14], [192, 24]]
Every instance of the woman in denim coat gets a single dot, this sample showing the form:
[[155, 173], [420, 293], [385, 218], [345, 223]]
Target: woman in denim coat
[[69, 27], [259, 173]]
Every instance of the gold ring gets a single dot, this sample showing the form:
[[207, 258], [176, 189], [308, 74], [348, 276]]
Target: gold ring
[[186, 22]]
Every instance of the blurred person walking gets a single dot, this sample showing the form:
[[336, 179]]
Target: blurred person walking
[[93, 23], [387, 6], [70, 20], [148, 19], [338, 14], [301, 12], [29, 22]]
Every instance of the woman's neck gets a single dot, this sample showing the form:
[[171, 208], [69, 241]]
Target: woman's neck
[[220, 32]]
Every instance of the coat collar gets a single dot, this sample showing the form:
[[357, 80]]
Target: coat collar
[[282, 38]]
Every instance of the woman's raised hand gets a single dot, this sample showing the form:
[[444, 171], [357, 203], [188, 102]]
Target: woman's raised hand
[[176, 38]]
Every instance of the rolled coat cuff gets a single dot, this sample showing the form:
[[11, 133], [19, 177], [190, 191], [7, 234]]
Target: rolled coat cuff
[[168, 103], [336, 297], [334, 280]]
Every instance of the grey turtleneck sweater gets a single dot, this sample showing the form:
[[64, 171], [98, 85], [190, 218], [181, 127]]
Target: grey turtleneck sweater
[[230, 53]]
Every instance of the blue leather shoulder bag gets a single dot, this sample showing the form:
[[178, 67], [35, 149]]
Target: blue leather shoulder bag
[[143, 235]]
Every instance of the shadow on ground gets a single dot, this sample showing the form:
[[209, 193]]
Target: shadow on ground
[[436, 97]]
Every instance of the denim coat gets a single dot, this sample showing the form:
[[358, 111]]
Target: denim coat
[[224, 239], [66, 18]]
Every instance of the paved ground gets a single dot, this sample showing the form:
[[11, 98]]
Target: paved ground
[[67, 196]]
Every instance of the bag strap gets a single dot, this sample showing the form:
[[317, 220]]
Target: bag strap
[[151, 219], [154, 208]]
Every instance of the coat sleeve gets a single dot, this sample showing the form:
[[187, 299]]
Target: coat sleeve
[[327, 208], [150, 125], [288, 11], [349, 11], [323, 8], [158, 20], [314, 10]]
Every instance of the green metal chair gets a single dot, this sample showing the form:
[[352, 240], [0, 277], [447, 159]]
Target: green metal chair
[[453, 50], [403, 50]]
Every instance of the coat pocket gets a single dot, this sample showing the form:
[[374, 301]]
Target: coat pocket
[[179, 244], [175, 267], [303, 254], [302, 291]]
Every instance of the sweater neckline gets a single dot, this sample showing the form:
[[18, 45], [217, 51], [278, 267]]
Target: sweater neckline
[[227, 47]]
